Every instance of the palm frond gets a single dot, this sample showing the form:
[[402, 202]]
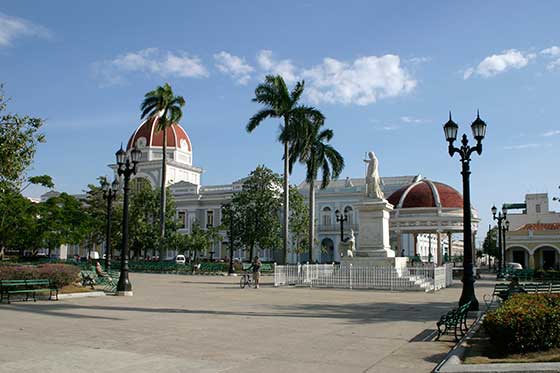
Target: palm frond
[[259, 117]]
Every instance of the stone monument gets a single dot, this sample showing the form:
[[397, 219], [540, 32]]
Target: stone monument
[[374, 214]]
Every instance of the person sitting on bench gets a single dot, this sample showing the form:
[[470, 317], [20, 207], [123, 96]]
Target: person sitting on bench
[[513, 288]]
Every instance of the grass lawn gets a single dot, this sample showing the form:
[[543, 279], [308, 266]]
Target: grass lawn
[[73, 288], [481, 351]]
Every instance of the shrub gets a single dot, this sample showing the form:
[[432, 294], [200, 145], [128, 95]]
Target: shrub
[[59, 274], [524, 323]]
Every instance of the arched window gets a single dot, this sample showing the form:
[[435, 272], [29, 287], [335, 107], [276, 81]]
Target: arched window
[[350, 213], [326, 216]]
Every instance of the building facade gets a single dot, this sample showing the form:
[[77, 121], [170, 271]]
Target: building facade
[[533, 239]]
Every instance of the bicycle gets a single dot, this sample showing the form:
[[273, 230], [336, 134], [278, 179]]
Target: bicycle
[[245, 280]]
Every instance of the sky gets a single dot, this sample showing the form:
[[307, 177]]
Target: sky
[[384, 73]]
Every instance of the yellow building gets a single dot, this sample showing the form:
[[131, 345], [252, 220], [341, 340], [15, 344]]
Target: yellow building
[[535, 246]]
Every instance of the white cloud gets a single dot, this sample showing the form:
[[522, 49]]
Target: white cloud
[[419, 60], [499, 63], [13, 27], [274, 67], [234, 66], [412, 120], [551, 133], [524, 146], [150, 61], [360, 82], [553, 51]]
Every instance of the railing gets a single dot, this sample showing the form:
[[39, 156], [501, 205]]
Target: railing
[[363, 277], [336, 227]]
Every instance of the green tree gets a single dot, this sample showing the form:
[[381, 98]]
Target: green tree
[[144, 222], [164, 108], [299, 222], [199, 240], [16, 226], [19, 136], [257, 206], [279, 102], [490, 244], [310, 145]]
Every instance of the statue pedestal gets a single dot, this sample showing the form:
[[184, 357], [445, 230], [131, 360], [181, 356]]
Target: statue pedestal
[[374, 229], [374, 248]]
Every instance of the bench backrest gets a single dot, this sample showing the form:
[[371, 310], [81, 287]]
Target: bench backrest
[[18, 283]]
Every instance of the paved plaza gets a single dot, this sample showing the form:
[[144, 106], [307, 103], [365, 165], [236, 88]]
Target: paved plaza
[[208, 324]]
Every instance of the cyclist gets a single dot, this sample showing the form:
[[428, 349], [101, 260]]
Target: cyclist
[[256, 267]]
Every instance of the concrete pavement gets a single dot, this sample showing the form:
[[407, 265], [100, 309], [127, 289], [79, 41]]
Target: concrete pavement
[[208, 324]]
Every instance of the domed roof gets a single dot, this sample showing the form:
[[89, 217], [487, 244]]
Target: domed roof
[[146, 135], [426, 193]]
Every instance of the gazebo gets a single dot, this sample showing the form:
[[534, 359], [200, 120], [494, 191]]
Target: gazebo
[[428, 207]]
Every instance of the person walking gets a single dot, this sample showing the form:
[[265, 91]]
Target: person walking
[[256, 265]]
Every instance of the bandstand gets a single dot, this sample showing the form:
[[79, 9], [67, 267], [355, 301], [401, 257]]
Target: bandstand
[[428, 207]]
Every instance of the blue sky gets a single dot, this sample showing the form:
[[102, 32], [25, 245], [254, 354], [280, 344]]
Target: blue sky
[[385, 75]]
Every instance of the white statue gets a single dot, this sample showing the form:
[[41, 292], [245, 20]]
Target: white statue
[[351, 241], [373, 181]]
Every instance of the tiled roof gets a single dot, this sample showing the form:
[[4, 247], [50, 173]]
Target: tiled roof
[[540, 227]]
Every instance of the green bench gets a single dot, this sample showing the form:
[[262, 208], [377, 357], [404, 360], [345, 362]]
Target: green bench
[[490, 299], [456, 319], [27, 287]]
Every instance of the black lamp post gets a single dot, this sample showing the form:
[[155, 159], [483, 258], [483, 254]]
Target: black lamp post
[[479, 131], [109, 194], [341, 218], [230, 209], [127, 167], [501, 234]]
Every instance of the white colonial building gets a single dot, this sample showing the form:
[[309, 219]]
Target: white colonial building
[[426, 214]]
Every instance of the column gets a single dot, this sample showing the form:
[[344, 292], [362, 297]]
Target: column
[[449, 245], [415, 236], [439, 251], [531, 260], [474, 248], [430, 247], [399, 244]]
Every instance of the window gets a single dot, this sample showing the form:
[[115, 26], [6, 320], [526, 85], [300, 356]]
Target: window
[[326, 216], [349, 212], [538, 208], [209, 219], [181, 220]]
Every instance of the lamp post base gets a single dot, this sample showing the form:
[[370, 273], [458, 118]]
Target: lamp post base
[[124, 293]]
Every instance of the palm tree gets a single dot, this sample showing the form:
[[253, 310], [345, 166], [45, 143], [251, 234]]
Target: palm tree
[[279, 102], [164, 108], [311, 148]]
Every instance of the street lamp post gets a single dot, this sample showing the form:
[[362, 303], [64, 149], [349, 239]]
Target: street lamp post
[[450, 129], [501, 233], [230, 238], [126, 167], [341, 218], [109, 194]]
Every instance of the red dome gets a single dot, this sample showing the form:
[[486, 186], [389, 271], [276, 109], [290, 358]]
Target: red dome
[[176, 136], [426, 193]]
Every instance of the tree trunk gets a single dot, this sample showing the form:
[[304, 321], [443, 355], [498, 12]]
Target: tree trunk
[[311, 219], [286, 200], [163, 250]]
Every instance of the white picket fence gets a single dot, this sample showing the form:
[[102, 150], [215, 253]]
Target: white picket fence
[[429, 278]]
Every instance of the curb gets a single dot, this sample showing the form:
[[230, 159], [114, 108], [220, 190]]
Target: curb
[[82, 295]]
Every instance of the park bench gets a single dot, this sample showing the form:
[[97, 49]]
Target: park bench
[[109, 282], [456, 319], [27, 287], [490, 299]]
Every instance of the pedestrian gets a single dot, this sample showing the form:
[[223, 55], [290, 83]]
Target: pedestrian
[[256, 265]]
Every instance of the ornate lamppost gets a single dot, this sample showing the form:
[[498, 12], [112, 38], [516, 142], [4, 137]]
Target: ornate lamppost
[[450, 129], [341, 218], [126, 167], [501, 234], [109, 194], [229, 208]]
